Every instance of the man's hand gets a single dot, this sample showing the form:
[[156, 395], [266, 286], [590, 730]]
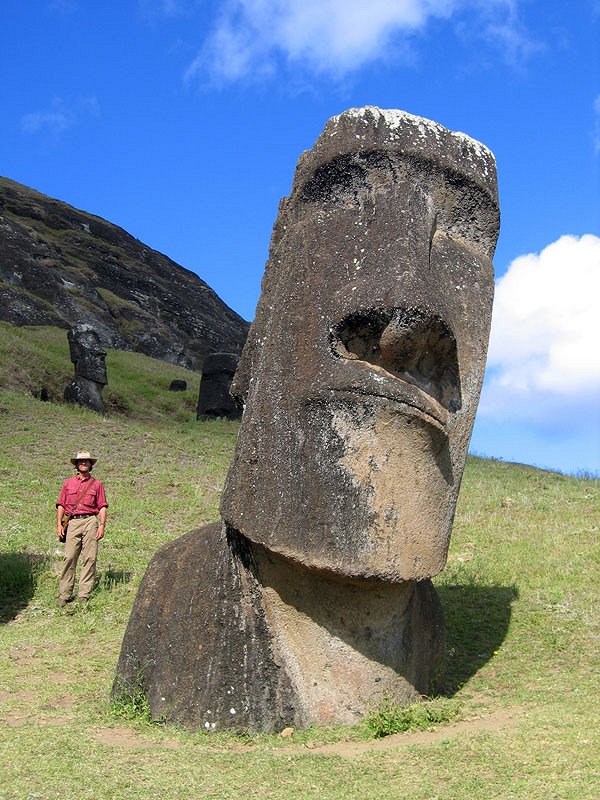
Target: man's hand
[[59, 532], [100, 532]]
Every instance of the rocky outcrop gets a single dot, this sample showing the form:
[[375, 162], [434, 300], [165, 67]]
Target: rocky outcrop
[[64, 267]]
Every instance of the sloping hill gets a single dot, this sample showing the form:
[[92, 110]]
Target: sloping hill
[[519, 595], [60, 266]]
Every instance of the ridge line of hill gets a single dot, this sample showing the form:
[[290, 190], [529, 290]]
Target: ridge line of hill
[[62, 266]]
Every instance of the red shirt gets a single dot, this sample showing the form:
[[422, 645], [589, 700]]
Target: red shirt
[[94, 499]]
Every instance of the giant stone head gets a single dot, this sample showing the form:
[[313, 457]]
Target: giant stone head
[[87, 354], [363, 367]]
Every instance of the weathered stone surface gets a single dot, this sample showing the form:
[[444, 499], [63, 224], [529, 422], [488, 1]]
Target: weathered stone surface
[[223, 633], [214, 399], [90, 369], [360, 378], [199, 637], [370, 378], [61, 266]]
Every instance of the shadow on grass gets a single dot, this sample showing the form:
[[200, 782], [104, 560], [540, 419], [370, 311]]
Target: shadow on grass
[[18, 578], [110, 578], [477, 620]]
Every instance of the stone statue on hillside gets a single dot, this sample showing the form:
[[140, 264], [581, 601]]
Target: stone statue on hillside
[[214, 399], [312, 599], [90, 369]]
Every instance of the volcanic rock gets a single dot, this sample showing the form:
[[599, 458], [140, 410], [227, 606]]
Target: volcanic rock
[[89, 360], [214, 399]]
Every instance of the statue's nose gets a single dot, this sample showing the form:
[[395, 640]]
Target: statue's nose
[[411, 344]]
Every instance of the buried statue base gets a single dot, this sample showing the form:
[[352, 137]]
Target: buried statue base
[[360, 378], [225, 634]]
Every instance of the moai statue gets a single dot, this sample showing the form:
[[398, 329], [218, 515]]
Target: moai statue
[[90, 369], [312, 599], [214, 399]]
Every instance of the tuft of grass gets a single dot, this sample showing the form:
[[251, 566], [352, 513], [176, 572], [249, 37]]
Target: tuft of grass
[[129, 701], [388, 717]]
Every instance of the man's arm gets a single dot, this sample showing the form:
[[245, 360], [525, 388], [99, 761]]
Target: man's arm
[[101, 523], [60, 510]]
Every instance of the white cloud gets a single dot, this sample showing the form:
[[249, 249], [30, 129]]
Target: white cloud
[[335, 36], [544, 356], [53, 121], [60, 116]]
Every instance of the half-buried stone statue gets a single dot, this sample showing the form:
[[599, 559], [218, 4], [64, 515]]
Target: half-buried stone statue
[[361, 375], [214, 398], [90, 369]]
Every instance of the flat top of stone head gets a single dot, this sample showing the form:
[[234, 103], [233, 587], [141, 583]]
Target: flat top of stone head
[[371, 128], [220, 362], [83, 328]]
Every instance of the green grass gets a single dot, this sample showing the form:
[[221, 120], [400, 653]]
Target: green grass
[[388, 717], [519, 593], [37, 357]]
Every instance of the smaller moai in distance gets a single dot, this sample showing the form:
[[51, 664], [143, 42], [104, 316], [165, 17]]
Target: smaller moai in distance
[[90, 369], [178, 386], [214, 399]]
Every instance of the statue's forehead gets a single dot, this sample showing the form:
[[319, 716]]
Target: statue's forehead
[[363, 185], [367, 131]]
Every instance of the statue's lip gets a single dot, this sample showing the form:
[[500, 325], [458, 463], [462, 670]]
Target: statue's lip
[[417, 406], [360, 380]]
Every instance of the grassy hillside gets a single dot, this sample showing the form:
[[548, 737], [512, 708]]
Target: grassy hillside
[[32, 358], [519, 593]]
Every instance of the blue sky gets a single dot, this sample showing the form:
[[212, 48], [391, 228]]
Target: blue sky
[[182, 121]]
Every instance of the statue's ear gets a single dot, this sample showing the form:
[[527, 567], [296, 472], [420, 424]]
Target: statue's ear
[[74, 348], [240, 384], [259, 330]]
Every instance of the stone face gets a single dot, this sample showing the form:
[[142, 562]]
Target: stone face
[[214, 399], [367, 353], [360, 379], [62, 266], [90, 369]]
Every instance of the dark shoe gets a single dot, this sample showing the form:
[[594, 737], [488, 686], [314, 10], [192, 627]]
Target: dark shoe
[[62, 602]]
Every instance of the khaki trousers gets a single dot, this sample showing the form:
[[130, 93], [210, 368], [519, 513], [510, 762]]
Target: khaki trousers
[[81, 541]]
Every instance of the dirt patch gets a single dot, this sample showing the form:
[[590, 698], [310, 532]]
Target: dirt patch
[[18, 721], [24, 655], [26, 696], [128, 739], [59, 677], [62, 702], [467, 727]]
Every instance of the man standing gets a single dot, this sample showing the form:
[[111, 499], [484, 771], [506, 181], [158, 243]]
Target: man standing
[[82, 498]]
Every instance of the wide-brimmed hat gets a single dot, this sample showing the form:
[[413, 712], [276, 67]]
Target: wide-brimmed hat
[[83, 455]]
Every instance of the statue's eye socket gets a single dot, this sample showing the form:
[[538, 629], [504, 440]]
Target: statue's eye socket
[[411, 344]]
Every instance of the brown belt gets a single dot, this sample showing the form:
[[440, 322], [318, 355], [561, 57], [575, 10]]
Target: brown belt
[[81, 516]]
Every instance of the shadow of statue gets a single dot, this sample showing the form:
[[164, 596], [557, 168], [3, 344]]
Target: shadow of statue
[[477, 619], [18, 578]]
